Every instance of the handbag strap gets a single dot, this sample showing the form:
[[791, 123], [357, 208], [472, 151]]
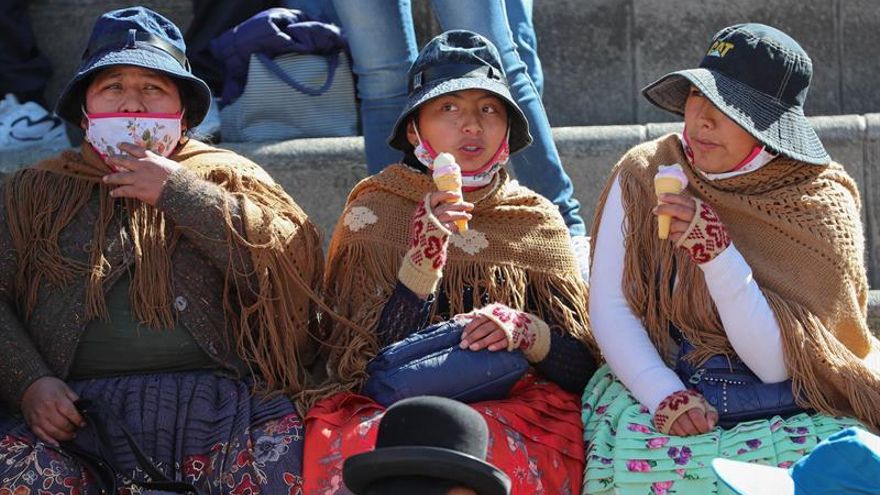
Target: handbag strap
[[274, 68], [158, 479]]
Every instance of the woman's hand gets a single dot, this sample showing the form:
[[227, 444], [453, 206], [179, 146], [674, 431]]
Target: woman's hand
[[482, 333], [47, 406], [685, 413], [681, 208], [694, 422], [497, 327], [695, 226], [140, 175], [448, 207]]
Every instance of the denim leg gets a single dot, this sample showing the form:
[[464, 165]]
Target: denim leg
[[538, 166], [383, 46], [519, 15]]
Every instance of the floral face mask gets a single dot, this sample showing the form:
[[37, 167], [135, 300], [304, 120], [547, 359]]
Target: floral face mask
[[157, 132]]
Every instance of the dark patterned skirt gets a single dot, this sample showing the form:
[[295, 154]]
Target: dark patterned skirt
[[199, 427]]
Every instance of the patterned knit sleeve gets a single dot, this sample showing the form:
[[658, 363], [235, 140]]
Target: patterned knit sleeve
[[404, 313], [569, 363]]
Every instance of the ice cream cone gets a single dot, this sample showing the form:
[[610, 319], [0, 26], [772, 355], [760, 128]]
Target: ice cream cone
[[447, 177], [670, 179]]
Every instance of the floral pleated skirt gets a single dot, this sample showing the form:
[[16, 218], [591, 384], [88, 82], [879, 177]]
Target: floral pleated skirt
[[199, 427], [626, 455]]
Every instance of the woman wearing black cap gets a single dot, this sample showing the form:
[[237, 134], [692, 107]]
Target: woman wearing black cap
[[751, 306], [150, 283], [399, 262]]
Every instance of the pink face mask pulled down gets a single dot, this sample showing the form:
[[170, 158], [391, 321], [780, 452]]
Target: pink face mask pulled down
[[157, 132], [474, 179], [758, 157]]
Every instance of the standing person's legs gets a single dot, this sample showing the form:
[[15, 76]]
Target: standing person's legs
[[539, 166], [24, 72], [383, 45], [519, 15], [211, 18]]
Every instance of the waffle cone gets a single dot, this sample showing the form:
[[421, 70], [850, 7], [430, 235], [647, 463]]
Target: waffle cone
[[666, 185], [451, 182]]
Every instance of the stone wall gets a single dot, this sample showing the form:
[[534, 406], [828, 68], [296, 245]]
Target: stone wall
[[597, 54]]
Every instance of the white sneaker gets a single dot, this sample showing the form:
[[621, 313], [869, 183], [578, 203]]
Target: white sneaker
[[581, 246], [29, 124]]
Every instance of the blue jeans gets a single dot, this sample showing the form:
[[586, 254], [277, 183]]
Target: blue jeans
[[383, 45]]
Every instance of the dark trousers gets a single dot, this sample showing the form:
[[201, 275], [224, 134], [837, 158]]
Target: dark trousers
[[23, 70], [211, 18]]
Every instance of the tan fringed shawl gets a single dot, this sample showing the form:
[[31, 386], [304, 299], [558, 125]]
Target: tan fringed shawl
[[517, 252], [271, 317], [798, 227]]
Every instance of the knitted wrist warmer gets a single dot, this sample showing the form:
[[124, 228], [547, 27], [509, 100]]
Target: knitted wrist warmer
[[706, 237], [422, 265], [677, 404], [524, 330]]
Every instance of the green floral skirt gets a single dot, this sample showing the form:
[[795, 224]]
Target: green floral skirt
[[626, 455]]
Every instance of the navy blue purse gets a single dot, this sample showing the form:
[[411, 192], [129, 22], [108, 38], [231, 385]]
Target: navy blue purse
[[737, 393], [430, 362]]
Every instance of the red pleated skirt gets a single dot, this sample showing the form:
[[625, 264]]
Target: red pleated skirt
[[535, 436]]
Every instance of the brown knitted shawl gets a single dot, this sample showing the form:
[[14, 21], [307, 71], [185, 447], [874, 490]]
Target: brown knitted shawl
[[517, 251], [271, 319], [798, 227]]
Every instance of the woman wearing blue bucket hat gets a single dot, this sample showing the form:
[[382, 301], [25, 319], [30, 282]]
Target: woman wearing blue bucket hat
[[154, 291], [730, 307], [400, 261]]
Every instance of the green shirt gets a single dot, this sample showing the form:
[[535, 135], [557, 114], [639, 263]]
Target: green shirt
[[122, 346]]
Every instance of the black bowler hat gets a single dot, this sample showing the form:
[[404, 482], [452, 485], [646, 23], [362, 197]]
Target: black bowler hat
[[139, 37], [759, 77], [459, 60], [427, 438]]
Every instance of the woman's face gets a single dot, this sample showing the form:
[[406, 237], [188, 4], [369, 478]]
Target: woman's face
[[719, 144], [470, 124], [130, 89]]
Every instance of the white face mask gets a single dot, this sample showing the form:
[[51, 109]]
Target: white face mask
[[158, 132]]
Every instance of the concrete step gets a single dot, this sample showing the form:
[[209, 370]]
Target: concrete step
[[597, 54]]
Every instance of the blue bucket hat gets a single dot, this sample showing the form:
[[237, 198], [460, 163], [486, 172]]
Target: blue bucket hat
[[758, 76], [846, 462], [140, 37], [457, 61]]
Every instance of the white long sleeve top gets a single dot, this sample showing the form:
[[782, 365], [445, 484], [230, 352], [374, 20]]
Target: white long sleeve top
[[748, 320]]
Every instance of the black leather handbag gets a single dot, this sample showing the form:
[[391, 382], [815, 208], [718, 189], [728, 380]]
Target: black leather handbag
[[101, 464], [737, 393]]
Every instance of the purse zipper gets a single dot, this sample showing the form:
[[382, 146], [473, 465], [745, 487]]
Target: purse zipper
[[697, 377]]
